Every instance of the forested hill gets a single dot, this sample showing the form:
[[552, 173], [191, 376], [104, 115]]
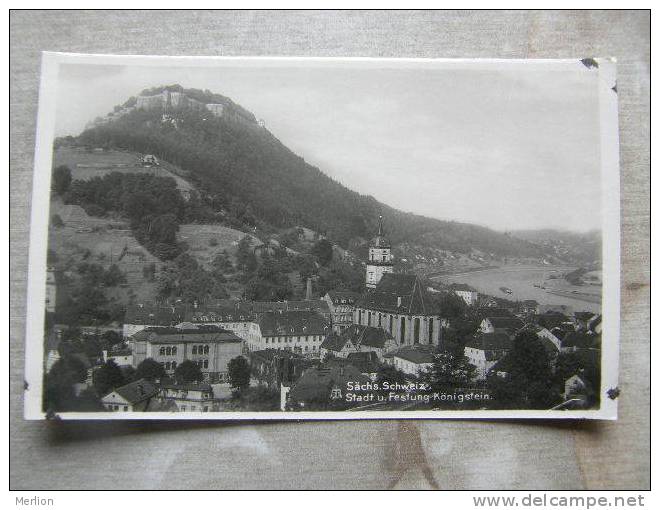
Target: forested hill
[[242, 170]]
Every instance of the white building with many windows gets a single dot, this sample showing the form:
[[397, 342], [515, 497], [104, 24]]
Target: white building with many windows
[[301, 332], [211, 348]]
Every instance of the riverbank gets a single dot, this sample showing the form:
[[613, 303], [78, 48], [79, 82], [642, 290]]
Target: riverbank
[[527, 282]]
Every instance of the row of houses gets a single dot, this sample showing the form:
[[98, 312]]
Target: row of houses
[[237, 316], [556, 332]]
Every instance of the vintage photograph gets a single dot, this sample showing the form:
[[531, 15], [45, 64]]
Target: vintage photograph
[[287, 238]]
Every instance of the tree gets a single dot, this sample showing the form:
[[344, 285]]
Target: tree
[[61, 179], [149, 272], [221, 264], [166, 281], [389, 374], [110, 338], [305, 265], [93, 347], [150, 370], [218, 290], [188, 372], [58, 394], [245, 258], [582, 362], [239, 373], [107, 378], [323, 251], [129, 374], [449, 371], [528, 383], [449, 304], [113, 276]]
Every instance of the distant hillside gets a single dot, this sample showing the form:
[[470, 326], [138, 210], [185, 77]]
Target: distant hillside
[[243, 171], [582, 248]]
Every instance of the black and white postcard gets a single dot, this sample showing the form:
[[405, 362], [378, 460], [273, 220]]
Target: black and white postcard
[[301, 238]]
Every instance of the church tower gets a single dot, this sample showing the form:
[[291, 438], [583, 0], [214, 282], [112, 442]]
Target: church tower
[[380, 257]]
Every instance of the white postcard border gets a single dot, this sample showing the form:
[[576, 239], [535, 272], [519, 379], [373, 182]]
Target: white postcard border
[[610, 189]]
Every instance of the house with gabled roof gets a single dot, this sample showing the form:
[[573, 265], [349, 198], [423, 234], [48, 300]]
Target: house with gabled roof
[[484, 350], [508, 325], [359, 338], [412, 359], [132, 397], [465, 292], [576, 387], [337, 345]]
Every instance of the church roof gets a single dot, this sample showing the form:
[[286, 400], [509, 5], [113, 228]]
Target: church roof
[[385, 297]]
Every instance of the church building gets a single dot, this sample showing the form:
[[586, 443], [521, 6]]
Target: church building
[[395, 302]]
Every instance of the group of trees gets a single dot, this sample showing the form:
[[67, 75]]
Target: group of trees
[[59, 387], [83, 299], [152, 203], [269, 276], [75, 349], [184, 278], [91, 345], [270, 282], [529, 382], [61, 179]]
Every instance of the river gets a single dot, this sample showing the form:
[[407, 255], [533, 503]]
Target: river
[[521, 281]]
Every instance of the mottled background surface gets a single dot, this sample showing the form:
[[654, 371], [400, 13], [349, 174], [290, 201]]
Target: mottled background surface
[[355, 454]]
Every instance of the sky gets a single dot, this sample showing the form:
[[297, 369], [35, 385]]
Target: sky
[[509, 146]]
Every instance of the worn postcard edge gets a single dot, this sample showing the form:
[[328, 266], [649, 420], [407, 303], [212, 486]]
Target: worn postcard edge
[[610, 189]]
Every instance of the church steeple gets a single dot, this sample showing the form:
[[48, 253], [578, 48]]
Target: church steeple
[[380, 257], [380, 241]]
